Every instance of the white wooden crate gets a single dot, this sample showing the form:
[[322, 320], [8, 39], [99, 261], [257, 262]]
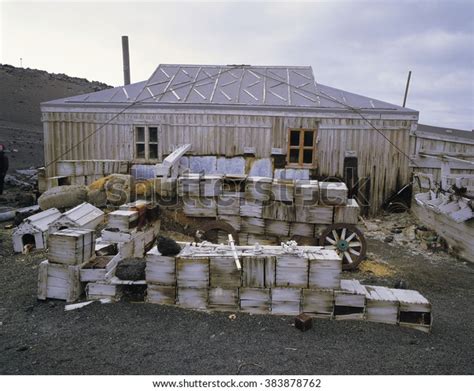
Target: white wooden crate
[[224, 272], [193, 298], [258, 271], [291, 271], [71, 246], [286, 301], [224, 299], [57, 281], [318, 302], [161, 294], [382, 305], [192, 272], [325, 267], [254, 300], [349, 301], [160, 270]]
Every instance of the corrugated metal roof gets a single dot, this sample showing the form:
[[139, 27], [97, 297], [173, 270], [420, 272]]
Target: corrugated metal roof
[[467, 134], [237, 86]]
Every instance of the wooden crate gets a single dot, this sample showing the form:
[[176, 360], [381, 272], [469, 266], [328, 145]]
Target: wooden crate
[[200, 206], [160, 294], [348, 214], [277, 228], [95, 269], [103, 290], [333, 193], [234, 183], [283, 190], [56, 281], [318, 302], [251, 208], [229, 203], [234, 221], [301, 229], [224, 299], [382, 305], [286, 301], [314, 214], [193, 298], [307, 192], [71, 246], [252, 225], [414, 310], [278, 210], [258, 271], [263, 240], [291, 271], [211, 185], [325, 267], [160, 270], [223, 272], [258, 188], [123, 220], [192, 272], [349, 301], [254, 300], [189, 185]]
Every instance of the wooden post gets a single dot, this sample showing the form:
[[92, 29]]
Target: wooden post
[[234, 252]]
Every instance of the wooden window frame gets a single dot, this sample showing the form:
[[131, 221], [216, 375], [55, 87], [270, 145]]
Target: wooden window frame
[[301, 148], [146, 142]]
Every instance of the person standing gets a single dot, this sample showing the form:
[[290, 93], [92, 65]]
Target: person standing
[[3, 166]]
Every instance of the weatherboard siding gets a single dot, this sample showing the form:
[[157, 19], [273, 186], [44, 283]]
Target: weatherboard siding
[[228, 135]]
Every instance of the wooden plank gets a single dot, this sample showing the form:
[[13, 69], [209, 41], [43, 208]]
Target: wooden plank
[[160, 294], [278, 210], [277, 228], [224, 299], [348, 214], [314, 214], [192, 298], [254, 300], [224, 273], [333, 193], [42, 280]]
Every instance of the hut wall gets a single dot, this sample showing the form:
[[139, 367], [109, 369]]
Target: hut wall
[[228, 134]]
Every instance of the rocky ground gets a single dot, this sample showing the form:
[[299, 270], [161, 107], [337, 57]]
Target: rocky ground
[[136, 338], [22, 91]]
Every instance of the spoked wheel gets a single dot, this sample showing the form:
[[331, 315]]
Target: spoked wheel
[[348, 241], [218, 231]]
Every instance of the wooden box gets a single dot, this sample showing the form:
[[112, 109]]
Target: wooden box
[[234, 221], [348, 214], [283, 190], [251, 208], [160, 294], [160, 270], [414, 310], [318, 302], [325, 267], [333, 193], [103, 290], [258, 188], [278, 210], [224, 299], [189, 185], [229, 203], [193, 298], [258, 271], [349, 301], [286, 301], [200, 206], [123, 220], [234, 183], [314, 214], [277, 228], [56, 281], [291, 271], [263, 240], [382, 305], [223, 272], [192, 272], [301, 229], [95, 269], [71, 246], [211, 185], [306, 193], [252, 225], [254, 300]]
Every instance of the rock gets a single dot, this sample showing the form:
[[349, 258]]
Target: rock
[[131, 269], [167, 247]]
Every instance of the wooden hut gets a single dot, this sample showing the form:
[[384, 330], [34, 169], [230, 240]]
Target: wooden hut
[[273, 121]]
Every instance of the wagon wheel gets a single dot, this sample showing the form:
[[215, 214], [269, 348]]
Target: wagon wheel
[[348, 241], [210, 231]]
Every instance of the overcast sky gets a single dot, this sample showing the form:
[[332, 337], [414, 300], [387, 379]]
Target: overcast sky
[[366, 47]]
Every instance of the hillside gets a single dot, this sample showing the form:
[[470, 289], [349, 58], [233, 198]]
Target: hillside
[[21, 92]]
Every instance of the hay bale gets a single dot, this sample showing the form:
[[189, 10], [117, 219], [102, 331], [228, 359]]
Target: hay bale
[[62, 197]]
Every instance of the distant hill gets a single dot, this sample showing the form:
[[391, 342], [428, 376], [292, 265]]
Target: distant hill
[[21, 92]]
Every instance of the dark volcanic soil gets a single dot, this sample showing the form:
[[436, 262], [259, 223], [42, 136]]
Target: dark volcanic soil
[[136, 338], [21, 92]]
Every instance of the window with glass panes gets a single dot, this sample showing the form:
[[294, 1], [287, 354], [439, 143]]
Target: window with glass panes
[[146, 142], [301, 147]]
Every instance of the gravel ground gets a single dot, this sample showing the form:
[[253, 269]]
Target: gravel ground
[[136, 338]]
